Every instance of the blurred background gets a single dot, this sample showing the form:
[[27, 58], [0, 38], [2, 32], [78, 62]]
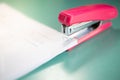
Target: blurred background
[[96, 59]]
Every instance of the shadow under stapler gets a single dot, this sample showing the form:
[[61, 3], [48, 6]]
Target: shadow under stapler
[[92, 49]]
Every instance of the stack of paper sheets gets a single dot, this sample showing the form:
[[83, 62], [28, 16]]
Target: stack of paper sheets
[[26, 44]]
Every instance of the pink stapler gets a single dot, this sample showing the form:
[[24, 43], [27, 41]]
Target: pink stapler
[[84, 22]]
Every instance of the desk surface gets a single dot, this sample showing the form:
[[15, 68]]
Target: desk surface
[[96, 59]]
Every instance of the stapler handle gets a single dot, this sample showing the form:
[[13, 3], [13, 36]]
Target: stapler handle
[[87, 13]]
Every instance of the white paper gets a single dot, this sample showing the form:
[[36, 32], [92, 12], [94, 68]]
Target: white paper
[[25, 44]]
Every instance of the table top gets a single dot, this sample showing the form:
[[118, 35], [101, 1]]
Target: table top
[[96, 59]]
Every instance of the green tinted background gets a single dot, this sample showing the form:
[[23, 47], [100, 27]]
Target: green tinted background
[[96, 59]]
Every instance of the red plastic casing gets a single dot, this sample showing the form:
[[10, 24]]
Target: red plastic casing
[[89, 13]]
